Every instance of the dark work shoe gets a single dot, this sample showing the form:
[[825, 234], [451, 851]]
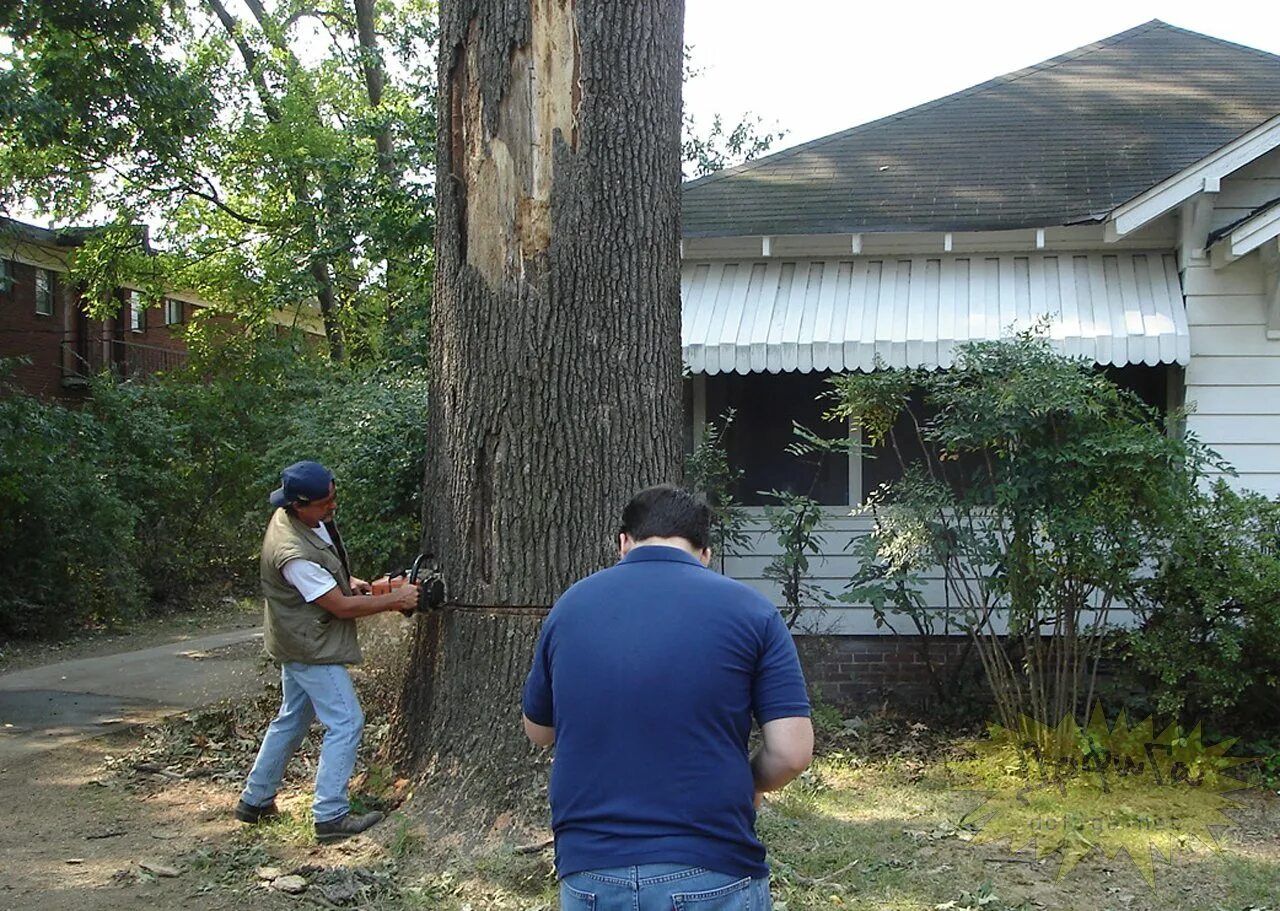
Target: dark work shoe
[[247, 812], [343, 826]]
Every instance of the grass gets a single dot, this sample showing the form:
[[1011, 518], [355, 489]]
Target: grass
[[883, 835], [853, 832], [888, 818]]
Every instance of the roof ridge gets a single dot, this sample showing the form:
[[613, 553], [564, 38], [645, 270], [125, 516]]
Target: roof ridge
[[978, 88], [1235, 46]]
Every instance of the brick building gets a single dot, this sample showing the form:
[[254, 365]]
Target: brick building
[[43, 319]]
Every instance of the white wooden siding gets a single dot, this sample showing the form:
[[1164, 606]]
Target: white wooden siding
[[832, 570], [1233, 380]]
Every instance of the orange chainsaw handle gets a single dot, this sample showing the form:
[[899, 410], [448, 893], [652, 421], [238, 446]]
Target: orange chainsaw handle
[[386, 585]]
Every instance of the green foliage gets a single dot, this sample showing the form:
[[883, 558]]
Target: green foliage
[[707, 471], [1210, 633], [718, 148], [1044, 490], [151, 491], [65, 526], [827, 720], [88, 86], [372, 435], [287, 158], [796, 521]]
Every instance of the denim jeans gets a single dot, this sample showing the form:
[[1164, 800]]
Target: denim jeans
[[662, 887], [311, 691]]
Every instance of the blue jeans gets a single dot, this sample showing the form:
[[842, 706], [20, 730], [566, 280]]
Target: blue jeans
[[662, 887], [311, 691]]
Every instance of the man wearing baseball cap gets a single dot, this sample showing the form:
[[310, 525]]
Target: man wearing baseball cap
[[312, 602]]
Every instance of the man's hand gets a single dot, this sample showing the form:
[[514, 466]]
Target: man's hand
[[407, 596], [351, 606], [361, 587]]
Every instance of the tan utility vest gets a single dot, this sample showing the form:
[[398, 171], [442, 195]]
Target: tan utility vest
[[296, 629]]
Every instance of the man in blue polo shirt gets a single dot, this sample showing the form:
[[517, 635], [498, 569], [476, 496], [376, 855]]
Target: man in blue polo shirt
[[647, 676]]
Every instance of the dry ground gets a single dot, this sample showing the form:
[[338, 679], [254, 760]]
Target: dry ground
[[142, 820]]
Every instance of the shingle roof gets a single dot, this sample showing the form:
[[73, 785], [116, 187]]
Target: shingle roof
[[1061, 142]]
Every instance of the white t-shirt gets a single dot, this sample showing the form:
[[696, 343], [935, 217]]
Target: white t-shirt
[[310, 578]]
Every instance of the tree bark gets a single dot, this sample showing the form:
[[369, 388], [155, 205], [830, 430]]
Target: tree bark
[[555, 346]]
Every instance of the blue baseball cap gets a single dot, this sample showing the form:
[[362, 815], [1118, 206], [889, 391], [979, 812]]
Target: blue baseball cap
[[302, 482]]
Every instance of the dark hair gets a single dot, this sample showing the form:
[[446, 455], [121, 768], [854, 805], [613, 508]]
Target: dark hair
[[667, 511]]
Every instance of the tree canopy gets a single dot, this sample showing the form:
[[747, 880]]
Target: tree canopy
[[284, 148]]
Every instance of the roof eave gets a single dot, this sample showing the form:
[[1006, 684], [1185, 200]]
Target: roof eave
[[1203, 176], [1247, 235]]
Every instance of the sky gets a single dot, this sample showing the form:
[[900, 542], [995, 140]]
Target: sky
[[815, 67]]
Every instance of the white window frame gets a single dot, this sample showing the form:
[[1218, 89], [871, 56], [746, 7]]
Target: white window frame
[[172, 306], [45, 304], [137, 312]]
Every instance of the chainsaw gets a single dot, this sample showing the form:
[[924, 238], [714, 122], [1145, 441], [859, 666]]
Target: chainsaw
[[430, 584]]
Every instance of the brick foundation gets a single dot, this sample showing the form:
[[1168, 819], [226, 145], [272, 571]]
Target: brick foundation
[[854, 672]]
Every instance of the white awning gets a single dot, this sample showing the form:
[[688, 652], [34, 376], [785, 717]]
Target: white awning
[[841, 314]]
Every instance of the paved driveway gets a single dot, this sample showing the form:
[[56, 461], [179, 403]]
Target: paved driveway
[[44, 707]]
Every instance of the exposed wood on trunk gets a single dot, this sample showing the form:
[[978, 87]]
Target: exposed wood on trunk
[[555, 388]]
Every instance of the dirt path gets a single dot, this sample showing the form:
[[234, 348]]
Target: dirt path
[[219, 615], [80, 840], [45, 707]]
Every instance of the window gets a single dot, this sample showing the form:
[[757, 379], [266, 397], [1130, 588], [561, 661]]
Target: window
[[6, 276], [172, 311], [44, 292], [137, 312], [766, 406], [884, 464]]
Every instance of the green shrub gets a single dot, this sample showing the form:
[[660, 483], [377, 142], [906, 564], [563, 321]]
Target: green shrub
[[1210, 633], [1043, 492], [372, 434], [65, 530], [153, 492]]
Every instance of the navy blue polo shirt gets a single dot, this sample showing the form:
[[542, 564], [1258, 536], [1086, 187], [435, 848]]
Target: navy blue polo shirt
[[651, 671]]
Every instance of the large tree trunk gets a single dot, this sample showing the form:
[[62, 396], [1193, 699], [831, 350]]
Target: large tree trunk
[[555, 346]]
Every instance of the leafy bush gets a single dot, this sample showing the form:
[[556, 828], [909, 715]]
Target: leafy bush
[[1043, 492], [154, 491], [65, 530], [1210, 633], [707, 471], [372, 435], [797, 522]]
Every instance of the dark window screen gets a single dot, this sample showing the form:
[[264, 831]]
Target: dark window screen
[[765, 405], [882, 465]]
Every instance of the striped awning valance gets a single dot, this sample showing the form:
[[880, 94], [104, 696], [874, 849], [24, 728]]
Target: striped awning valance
[[843, 314]]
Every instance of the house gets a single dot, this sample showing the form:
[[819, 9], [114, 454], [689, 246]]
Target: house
[[43, 319], [1129, 189]]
